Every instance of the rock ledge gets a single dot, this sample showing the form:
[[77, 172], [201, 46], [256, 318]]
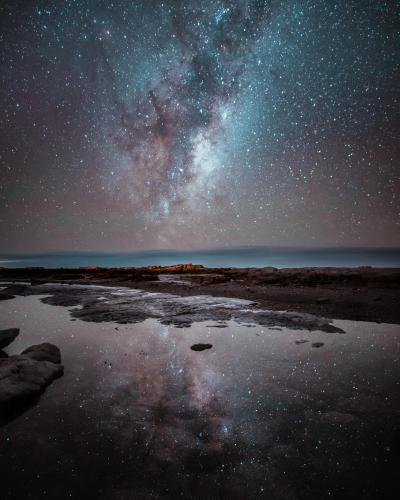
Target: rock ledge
[[25, 376]]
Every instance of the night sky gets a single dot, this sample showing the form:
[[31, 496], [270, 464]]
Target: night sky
[[201, 123]]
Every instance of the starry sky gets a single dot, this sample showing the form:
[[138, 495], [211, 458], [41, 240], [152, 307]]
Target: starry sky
[[201, 123]]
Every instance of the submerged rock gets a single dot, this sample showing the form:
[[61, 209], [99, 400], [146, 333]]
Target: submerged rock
[[200, 347], [317, 344], [7, 336]]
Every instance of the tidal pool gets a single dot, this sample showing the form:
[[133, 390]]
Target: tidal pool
[[262, 414]]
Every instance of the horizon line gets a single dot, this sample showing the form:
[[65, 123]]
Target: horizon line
[[204, 249]]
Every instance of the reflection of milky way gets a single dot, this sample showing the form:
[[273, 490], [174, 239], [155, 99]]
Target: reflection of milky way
[[198, 123]]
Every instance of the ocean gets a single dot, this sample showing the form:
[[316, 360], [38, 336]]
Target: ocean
[[223, 257]]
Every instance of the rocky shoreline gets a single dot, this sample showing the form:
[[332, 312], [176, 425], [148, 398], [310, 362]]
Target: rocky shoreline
[[126, 305], [363, 294]]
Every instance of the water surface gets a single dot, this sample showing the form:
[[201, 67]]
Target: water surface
[[138, 414]]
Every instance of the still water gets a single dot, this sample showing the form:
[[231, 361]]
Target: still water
[[140, 415]]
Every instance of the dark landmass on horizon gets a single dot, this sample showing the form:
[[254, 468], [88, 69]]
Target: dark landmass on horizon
[[363, 294]]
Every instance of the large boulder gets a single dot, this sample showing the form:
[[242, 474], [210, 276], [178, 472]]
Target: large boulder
[[7, 336], [24, 376]]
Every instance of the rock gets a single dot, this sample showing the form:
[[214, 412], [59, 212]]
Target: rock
[[292, 320], [6, 296], [43, 352], [25, 376], [317, 344], [200, 347], [176, 268], [135, 306], [8, 336], [265, 275], [22, 377], [38, 281]]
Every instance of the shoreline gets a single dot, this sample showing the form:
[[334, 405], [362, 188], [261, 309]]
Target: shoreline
[[360, 294]]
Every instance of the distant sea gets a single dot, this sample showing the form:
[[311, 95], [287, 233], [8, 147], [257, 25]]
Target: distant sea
[[222, 257]]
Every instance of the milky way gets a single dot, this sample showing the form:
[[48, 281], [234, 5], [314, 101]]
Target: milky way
[[129, 125]]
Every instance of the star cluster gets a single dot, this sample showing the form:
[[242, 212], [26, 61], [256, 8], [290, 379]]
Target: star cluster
[[168, 124]]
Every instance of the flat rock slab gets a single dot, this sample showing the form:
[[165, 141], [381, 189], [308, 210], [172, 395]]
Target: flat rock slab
[[8, 336], [200, 347]]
